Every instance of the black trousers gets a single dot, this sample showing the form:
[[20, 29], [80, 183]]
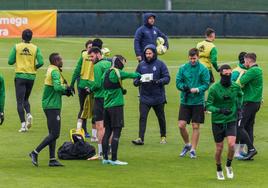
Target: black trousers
[[53, 124], [246, 126], [82, 97], [159, 112], [23, 88]]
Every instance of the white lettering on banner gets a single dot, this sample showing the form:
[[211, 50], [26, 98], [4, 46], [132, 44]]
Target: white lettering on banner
[[3, 32], [19, 21]]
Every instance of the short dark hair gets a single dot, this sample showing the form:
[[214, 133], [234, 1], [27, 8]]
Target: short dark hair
[[95, 50], [88, 42], [241, 57], [192, 52], [52, 57], [97, 43], [225, 66], [209, 31], [251, 56], [27, 35]]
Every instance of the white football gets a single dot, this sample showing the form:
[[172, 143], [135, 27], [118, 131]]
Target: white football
[[105, 52], [161, 49], [160, 41]]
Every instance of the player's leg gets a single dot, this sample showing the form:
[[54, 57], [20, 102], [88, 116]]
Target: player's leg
[[160, 114], [144, 110], [29, 118], [195, 139], [81, 122], [20, 89], [107, 135]]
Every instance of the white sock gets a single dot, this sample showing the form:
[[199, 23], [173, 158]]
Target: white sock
[[94, 133], [79, 124], [192, 150], [23, 125], [99, 149], [188, 144], [29, 114]]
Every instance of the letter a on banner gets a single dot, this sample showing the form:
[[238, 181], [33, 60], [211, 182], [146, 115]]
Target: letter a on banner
[[43, 23]]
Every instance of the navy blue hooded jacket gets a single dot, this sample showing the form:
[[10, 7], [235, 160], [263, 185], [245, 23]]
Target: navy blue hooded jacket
[[153, 93], [147, 34]]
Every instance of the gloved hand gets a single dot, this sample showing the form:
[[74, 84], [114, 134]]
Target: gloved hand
[[1, 118], [156, 82], [69, 91], [137, 82], [239, 114], [186, 89], [73, 90], [225, 111], [124, 91]]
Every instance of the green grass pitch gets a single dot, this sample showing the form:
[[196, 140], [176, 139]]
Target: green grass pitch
[[152, 165]]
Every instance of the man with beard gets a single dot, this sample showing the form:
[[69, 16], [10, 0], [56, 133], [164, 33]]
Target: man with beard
[[147, 34], [154, 76], [224, 102]]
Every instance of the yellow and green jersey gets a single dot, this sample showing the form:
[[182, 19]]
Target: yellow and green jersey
[[24, 56], [84, 70], [54, 88], [114, 96], [207, 54], [238, 72]]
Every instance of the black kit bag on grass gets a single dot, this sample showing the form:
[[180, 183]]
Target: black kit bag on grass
[[79, 150]]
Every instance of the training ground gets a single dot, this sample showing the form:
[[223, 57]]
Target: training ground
[[151, 165]]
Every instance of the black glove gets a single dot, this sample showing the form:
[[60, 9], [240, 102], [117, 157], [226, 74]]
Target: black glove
[[239, 114], [225, 111], [124, 91], [69, 91], [156, 82], [186, 89], [1, 118], [137, 82], [72, 88]]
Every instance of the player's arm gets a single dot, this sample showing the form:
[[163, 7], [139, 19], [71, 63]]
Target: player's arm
[[97, 77], [39, 58], [214, 58], [164, 77], [204, 80], [12, 56], [57, 82], [235, 75], [125, 75], [179, 80], [137, 42], [77, 71], [247, 77], [2, 94], [210, 101], [137, 81], [161, 34]]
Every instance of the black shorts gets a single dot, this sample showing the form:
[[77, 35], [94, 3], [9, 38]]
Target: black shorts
[[114, 117], [98, 109], [211, 77], [192, 113], [220, 130]]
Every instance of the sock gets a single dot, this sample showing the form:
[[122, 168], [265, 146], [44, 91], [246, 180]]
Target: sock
[[29, 114], [219, 167], [229, 162], [99, 149], [110, 147], [188, 144], [79, 124], [94, 133], [192, 150], [23, 125]]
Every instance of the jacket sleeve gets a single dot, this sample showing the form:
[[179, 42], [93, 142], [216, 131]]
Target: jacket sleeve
[[125, 75], [204, 80], [210, 101], [179, 80], [97, 77], [161, 34], [247, 77], [12, 56], [235, 75], [2, 94], [137, 42], [77, 71], [136, 81], [214, 58], [56, 82], [164, 77], [39, 58]]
